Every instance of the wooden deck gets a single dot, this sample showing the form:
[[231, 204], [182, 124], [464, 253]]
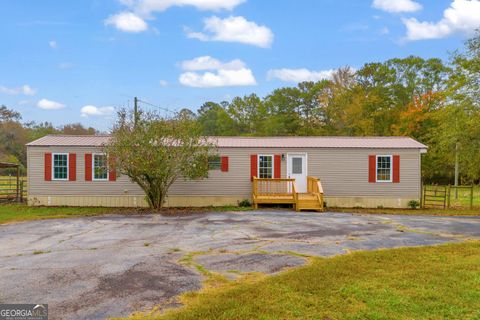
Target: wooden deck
[[284, 191]]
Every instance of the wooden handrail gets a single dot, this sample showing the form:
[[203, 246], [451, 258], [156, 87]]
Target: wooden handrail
[[283, 187]]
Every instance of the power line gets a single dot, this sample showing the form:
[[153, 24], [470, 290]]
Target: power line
[[155, 106]]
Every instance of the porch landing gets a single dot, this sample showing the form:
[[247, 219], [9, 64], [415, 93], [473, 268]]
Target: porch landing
[[284, 191]]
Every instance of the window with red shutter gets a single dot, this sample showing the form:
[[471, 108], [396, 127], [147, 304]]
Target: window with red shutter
[[253, 166], [88, 167], [72, 167], [48, 167], [224, 164], [372, 169], [277, 166], [396, 169]]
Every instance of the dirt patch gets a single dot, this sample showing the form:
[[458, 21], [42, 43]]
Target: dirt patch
[[141, 287], [258, 262]]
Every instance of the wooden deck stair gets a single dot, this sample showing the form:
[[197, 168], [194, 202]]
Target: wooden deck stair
[[284, 191], [308, 201]]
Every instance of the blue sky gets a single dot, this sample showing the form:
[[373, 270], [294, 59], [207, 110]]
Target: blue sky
[[59, 58]]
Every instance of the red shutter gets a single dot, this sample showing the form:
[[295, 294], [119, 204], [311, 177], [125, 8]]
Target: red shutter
[[48, 167], [277, 166], [396, 169], [224, 164], [253, 166], [88, 167], [72, 167], [112, 173], [372, 169]]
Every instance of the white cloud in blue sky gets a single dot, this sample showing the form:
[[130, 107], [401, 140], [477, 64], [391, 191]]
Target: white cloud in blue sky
[[50, 104], [462, 16], [91, 110], [234, 29], [98, 54], [299, 75], [397, 5], [25, 90], [127, 21], [219, 74]]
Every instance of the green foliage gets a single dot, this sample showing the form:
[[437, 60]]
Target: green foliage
[[245, 203], [413, 204], [154, 152]]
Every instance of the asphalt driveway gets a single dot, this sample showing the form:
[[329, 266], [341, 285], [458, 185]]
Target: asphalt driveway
[[93, 268]]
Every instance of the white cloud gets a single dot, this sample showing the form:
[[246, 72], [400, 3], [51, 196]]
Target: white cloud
[[50, 105], [133, 20], [233, 73], [209, 63], [91, 110], [397, 5], [128, 22], [299, 75], [234, 29], [462, 16], [53, 44], [25, 90], [146, 7], [163, 83]]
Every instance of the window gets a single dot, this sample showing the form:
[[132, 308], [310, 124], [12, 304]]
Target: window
[[297, 165], [100, 167], [214, 163], [265, 167], [384, 168], [60, 166]]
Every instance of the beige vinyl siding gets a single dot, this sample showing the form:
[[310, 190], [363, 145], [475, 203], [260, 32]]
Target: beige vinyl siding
[[343, 172]]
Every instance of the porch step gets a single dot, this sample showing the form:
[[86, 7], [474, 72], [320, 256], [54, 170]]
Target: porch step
[[308, 201]]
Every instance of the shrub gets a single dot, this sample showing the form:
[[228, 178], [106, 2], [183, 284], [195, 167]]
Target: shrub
[[245, 203], [413, 204]]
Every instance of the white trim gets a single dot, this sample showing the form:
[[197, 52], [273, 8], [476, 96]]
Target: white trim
[[391, 168], [93, 167], [53, 166], [273, 164], [298, 154]]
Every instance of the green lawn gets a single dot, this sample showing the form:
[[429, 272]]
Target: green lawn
[[463, 199], [20, 212], [439, 282]]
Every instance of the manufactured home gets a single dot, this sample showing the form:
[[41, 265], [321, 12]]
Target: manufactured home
[[339, 171]]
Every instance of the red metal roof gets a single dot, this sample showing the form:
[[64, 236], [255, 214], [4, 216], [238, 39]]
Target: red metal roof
[[255, 142]]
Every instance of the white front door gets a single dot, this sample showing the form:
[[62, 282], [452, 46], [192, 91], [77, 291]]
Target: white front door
[[297, 169]]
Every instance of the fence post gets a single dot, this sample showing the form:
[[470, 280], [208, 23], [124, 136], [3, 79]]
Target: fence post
[[21, 190], [448, 195], [471, 197]]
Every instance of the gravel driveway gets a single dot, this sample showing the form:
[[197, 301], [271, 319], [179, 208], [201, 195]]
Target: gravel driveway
[[93, 268]]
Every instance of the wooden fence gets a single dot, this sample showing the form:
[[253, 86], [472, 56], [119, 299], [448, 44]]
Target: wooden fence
[[11, 191], [444, 197]]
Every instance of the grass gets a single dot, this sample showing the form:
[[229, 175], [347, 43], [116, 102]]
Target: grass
[[439, 282], [463, 200], [433, 212], [20, 212]]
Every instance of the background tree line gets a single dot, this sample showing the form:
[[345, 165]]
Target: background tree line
[[433, 101], [14, 135]]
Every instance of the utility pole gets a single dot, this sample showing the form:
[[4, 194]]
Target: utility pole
[[135, 111]]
